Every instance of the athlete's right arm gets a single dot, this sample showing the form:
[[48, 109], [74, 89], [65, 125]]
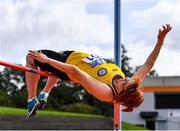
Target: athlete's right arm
[[69, 69], [95, 87]]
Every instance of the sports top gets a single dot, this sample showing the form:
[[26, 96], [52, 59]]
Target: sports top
[[96, 67]]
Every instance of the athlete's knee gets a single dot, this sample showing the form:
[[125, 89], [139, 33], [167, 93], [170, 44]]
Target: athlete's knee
[[29, 61]]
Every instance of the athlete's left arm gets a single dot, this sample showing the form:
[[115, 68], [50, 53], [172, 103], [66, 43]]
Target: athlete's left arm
[[147, 66]]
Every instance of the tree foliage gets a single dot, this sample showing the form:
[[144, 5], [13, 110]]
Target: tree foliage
[[126, 68]]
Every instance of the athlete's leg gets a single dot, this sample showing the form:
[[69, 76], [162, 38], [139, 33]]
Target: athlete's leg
[[43, 96], [31, 83], [31, 79], [50, 84], [61, 56]]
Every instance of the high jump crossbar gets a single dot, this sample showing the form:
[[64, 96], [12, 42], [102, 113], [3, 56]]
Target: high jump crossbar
[[24, 68]]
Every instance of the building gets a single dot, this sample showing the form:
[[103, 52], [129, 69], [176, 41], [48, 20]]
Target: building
[[161, 107]]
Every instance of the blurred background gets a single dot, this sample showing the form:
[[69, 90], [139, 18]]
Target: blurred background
[[88, 25]]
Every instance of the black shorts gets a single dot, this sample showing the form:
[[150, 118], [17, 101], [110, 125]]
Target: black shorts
[[62, 57]]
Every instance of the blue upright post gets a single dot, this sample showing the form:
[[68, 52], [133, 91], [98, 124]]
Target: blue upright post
[[117, 56], [117, 34]]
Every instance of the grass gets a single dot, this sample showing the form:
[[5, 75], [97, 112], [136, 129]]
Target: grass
[[128, 126], [9, 111]]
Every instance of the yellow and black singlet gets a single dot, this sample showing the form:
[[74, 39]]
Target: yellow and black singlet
[[97, 67]]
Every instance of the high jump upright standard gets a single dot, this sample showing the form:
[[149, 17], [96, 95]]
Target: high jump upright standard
[[117, 57]]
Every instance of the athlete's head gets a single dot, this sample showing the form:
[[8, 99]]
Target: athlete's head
[[131, 94]]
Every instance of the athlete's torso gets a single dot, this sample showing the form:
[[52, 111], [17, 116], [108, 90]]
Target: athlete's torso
[[95, 66]]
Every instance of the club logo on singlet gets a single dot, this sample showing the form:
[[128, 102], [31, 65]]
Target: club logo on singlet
[[102, 72]]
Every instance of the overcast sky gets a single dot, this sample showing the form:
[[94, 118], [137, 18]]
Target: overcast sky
[[87, 25]]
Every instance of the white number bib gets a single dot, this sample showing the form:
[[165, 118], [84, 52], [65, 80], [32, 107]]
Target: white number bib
[[94, 60]]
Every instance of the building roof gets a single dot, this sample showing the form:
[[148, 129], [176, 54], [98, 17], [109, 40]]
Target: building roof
[[162, 84], [162, 81]]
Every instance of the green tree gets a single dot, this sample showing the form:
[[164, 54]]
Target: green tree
[[129, 70], [126, 68], [65, 93], [152, 73], [4, 99], [11, 84]]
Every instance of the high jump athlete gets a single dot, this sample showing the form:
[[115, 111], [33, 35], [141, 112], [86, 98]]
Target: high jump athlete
[[103, 80]]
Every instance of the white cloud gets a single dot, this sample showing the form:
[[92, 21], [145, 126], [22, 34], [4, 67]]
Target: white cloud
[[132, 0], [58, 25], [164, 11], [167, 63], [66, 24], [141, 37]]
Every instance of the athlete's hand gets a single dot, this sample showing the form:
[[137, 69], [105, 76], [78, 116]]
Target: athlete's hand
[[164, 31], [39, 56]]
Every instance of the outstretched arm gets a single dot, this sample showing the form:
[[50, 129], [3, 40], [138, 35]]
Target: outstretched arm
[[147, 66]]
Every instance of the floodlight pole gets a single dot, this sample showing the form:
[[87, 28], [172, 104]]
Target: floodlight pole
[[117, 56]]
